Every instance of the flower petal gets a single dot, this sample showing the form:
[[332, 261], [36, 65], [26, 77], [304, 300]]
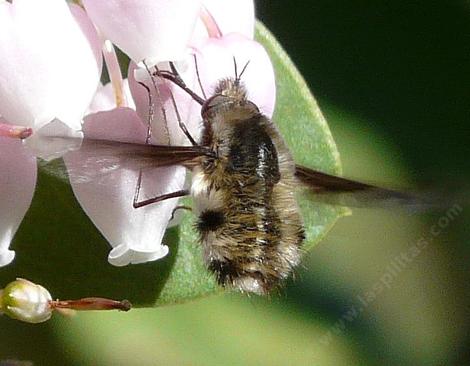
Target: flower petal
[[216, 61], [122, 255], [135, 234], [230, 16], [48, 143], [146, 30], [89, 31], [104, 99], [42, 45], [233, 16], [17, 184]]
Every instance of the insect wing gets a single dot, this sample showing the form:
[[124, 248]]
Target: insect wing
[[342, 191], [99, 158]]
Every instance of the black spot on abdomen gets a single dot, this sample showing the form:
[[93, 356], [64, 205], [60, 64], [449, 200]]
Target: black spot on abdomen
[[225, 271], [210, 220]]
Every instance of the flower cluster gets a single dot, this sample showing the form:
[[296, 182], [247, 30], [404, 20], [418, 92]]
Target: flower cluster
[[52, 55]]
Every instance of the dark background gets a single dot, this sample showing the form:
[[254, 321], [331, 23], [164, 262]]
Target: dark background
[[402, 69], [402, 65]]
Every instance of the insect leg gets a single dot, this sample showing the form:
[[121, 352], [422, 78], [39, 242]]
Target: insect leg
[[136, 203], [151, 113], [181, 123], [179, 208], [178, 118], [163, 197], [199, 78], [147, 141], [175, 78], [157, 91]]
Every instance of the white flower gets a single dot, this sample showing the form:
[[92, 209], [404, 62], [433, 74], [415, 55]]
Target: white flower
[[135, 234], [146, 30], [50, 68], [51, 63]]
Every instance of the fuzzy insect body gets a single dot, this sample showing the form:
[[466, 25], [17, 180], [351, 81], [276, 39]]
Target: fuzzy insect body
[[248, 219]]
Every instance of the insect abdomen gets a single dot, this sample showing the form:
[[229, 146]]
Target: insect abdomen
[[248, 221]]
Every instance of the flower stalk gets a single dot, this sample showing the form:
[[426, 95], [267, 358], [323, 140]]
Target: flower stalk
[[91, 303], [32, 303], [115, 74]]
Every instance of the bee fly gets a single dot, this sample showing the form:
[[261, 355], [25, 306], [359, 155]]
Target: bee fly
[[248, 219], [243, 186], [249, 223]]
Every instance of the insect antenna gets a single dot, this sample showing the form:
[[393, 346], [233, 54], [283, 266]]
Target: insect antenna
[[237, 76], [236, 69], [243, 70]]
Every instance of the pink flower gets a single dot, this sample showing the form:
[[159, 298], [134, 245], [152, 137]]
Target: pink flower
[[224, 17], [135, 234], [214, 32], [17, 182], [39, 88], [216, 59], [233, 16], [146, 30], [42, 45]]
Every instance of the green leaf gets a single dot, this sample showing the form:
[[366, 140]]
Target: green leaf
[[58, 247]]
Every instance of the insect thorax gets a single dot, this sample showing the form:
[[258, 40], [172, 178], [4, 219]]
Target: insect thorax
[[249, 223]]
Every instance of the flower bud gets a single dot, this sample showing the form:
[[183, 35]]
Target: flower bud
[[31, 303], [26, 301]]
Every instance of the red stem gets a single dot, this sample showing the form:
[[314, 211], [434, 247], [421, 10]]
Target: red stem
[[92, 303]]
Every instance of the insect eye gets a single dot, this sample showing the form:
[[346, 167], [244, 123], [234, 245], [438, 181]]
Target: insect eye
[[212, 103]]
